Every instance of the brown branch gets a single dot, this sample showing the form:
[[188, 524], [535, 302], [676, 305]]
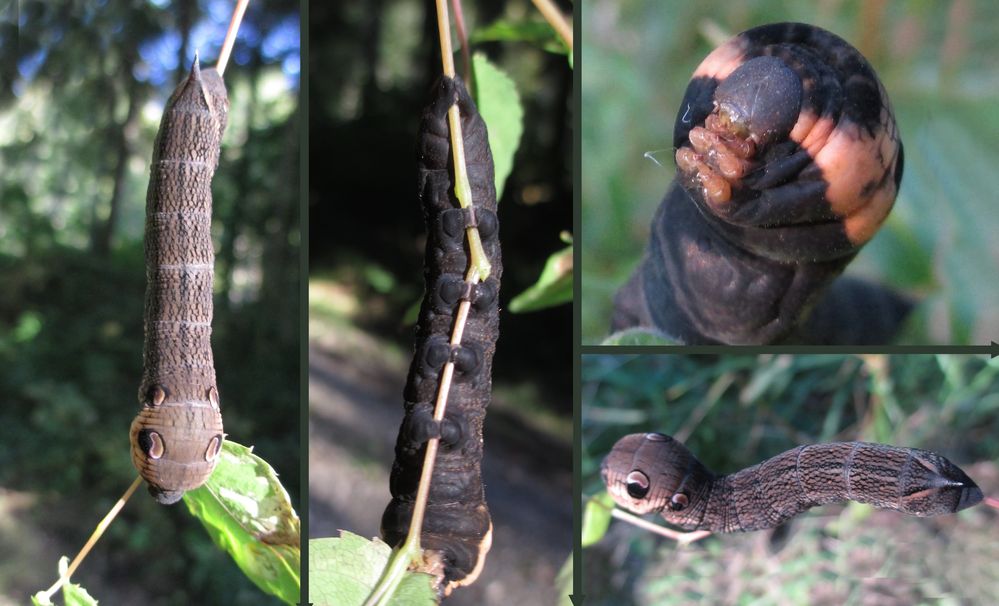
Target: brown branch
[[230, 35], [556, 19]]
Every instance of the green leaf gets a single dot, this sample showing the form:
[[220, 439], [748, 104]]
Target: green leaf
[[535, 32], [248, 513], [564, 582], [344, 570], [72, 593], [499, 105], [553, 287], [75, 595], [639, 336], [596, 518]]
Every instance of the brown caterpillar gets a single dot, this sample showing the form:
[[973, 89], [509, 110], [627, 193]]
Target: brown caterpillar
[[652, 472], [177, 435], [457, 529]]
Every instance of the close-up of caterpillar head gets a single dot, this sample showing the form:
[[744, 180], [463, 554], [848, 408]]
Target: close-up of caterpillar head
[[787, 140], [756, 176], [788, 162], [176, 444], [652, 472]]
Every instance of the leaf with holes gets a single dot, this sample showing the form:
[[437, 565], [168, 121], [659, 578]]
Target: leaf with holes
[[248, 513]]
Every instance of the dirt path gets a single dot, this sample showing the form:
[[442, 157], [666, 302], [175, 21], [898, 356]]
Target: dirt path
[[354, 412]]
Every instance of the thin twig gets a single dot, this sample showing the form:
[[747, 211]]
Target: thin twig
[[230, 35], [556, 19], [459, 25], [682, 538], [461, 189], [440, 406], [101, 527], [444, 33]]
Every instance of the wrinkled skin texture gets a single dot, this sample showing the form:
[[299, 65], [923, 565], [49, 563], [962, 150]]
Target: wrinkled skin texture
[[177, 434], [788, 161], [648, 473], [457, 527]]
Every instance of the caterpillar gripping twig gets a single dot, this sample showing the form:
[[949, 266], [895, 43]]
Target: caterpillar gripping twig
[[457, 527], [652, 472], [177, 436]]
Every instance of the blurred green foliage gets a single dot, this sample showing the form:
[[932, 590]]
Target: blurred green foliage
[[82, 91], [938, 63], [734, 411]]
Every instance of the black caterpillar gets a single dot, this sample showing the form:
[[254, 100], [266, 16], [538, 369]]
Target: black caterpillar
[[457, 526], [788, 161], [177, 435]]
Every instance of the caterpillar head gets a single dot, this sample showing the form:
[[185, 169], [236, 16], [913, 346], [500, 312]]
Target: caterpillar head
[[787, 141], [651, 472], [176, 444]]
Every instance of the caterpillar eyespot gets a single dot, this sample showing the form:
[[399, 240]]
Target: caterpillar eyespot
[[151, 443], [788, 161], [638, 484], [214, 448], [457, 528], [157, 395], [909, 480], [177, 434]]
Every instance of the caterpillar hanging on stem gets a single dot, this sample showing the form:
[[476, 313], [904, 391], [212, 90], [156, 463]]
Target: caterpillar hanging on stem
[[178, 392], [177, 436], [456, 523], [438, 516]]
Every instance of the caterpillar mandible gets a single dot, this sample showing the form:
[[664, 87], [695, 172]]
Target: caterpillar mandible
[[652, 472], [788, 161], [177, 436], [457, 527]]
